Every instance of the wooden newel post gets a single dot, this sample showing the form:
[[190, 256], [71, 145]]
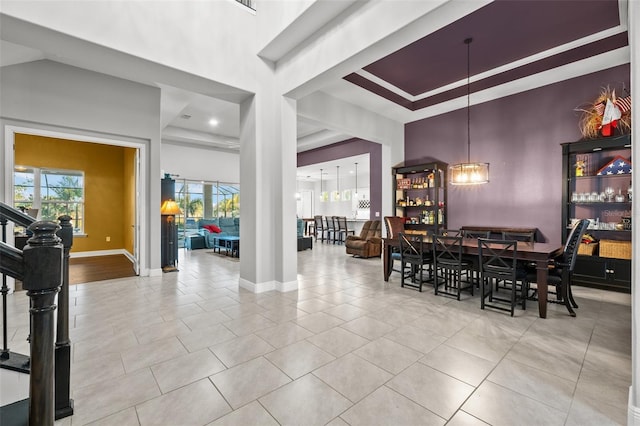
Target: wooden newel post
[[42, 257], [64, 405]]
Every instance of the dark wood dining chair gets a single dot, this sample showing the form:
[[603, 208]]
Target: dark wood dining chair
[[320, 230], [475, 266], [449, 267], [498, 263], [330, 229], [561, 269], [415, 254], [343, 231], [394, 225]]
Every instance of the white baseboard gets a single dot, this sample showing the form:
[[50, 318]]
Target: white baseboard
[[633, 412], [99, 253], [257, 287], [268, 286], [288, 286], [151, 272]]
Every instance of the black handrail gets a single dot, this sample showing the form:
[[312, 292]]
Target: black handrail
[[11, 261], [8, 213], [15, 216]]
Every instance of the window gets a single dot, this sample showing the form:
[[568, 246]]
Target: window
[[54, 192]]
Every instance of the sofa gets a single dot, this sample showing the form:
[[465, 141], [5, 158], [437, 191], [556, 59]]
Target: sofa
[[228, 226], [303, 242], [368, 243]]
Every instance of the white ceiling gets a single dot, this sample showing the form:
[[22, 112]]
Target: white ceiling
[[330, 171], [185, 115]]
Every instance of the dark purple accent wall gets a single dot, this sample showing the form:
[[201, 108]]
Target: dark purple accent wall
[[349, 148], [520, 137]]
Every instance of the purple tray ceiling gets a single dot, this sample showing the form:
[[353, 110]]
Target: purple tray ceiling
[[503, 32]]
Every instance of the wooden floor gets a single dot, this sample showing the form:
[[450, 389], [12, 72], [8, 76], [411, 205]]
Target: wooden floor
[[99, 268]]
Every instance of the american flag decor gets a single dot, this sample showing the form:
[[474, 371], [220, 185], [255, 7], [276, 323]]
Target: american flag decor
[[618, 166]]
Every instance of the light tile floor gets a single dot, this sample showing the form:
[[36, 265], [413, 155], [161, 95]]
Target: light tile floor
[[191, 348]]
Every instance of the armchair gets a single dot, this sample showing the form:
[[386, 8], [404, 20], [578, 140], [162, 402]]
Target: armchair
[[368, 243]]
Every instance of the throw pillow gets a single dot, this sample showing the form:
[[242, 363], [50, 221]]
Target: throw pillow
[[212, 228]]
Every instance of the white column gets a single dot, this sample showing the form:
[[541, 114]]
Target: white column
[[633, 20], [268, 241]]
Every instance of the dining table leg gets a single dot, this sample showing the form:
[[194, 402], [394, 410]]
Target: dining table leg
[[386, 260], [542, 274]]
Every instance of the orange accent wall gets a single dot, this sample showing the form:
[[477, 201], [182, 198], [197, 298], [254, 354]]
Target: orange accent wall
[[108, 206], [129, 202]]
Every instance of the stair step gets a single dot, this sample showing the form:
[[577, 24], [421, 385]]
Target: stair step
[[16, 414], [16, 362]]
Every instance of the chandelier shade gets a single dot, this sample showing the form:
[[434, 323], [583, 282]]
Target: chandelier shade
[[468, 173]]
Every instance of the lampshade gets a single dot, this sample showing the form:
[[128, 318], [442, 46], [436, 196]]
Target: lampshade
[[169, 208], [468, 173]]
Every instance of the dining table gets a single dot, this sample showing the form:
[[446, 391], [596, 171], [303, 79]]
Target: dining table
[[538, 253]]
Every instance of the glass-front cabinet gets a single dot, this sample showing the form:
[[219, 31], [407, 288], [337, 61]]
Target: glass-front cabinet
[[597, 186], [420, 195]]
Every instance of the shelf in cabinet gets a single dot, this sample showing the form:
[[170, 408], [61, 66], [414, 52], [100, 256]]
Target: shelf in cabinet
[[622, 175], [604, 230], [601, 203], [415, 205]]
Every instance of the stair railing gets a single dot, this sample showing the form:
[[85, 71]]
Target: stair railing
[[63, 403], [39, 267], [8, 213]]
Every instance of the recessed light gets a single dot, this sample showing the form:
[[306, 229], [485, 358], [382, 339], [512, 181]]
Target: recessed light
[[185, 116], [213, 122]]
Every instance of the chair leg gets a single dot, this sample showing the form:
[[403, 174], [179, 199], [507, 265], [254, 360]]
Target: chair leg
[[570, 293], [564, 291]]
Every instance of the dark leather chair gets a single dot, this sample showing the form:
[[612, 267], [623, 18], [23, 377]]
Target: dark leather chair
[[368, 243], [561, 269]]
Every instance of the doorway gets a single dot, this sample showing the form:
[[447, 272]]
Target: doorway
[[112, 193]]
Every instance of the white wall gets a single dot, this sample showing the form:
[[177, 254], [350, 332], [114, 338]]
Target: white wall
[[48, 96], [213, 39], [200, 163]]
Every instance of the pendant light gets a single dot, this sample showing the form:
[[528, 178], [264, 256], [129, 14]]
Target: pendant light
[[356, 194], [321, 198], [337, 193], [468, 173]]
